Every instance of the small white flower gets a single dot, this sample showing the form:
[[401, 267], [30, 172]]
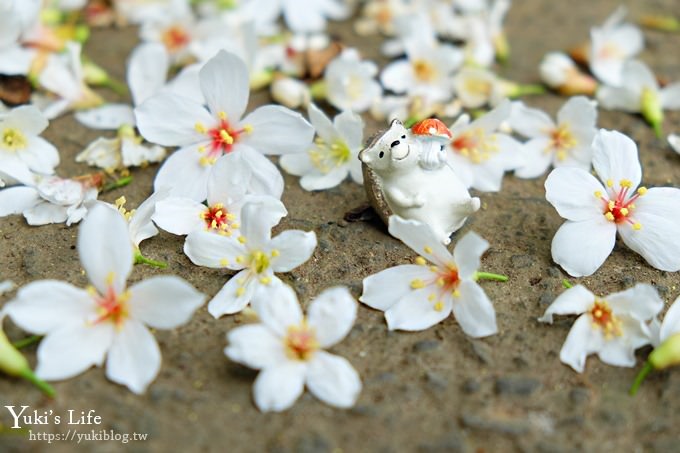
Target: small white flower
[[350, 83], [479, 154], [290, 92], [476, 87], [639, 92], [108, 322], [566, 142], [427, 70], [219, 132], [140, 226], [289, 348], [335, 154], [416, 297], [22, 150], [645, 219], [254, 254], [126, 150], [612, 45], [51, 200], [222, 213], [613, 326]]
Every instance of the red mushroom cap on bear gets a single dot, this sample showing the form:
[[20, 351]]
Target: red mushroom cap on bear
[[432, 128]]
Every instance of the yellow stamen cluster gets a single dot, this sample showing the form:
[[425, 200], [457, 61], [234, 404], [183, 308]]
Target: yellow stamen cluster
[[258, 262], [603, 318], [13, 139], [301, 342], [327, 156], [476, 145], [561, 141], [120, 205], [424, 70]]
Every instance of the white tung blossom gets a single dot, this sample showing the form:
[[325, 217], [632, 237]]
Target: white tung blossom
[[288, 348], [350, 83], [108, 321], [254, 253], [416, 297], [334, 154], [646, 219], [613, 326]]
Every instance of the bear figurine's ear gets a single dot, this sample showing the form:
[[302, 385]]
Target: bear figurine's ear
[[365, 157], [396, 121]]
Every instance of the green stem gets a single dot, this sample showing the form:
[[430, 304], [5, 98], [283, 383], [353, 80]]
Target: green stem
[[318, 90], [410, 121], [490, 276], [523, 90], [567, 284], [141, 259], [27, 341], [117, 87], [118, 183], [657, 129], [35, 380], [648, 368]]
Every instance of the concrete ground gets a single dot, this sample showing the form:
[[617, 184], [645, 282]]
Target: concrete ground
[[430, 391]]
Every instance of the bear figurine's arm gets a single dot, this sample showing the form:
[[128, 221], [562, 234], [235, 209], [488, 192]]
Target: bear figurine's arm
[[404, 200]]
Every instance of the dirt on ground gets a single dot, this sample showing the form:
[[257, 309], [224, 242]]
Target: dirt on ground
[[431, 391]]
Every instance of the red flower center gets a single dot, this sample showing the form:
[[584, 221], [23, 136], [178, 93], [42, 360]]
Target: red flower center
[[620, 207]]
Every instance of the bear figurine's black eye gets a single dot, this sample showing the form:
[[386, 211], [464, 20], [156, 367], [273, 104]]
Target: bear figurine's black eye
[[403, 137], [382, 153]]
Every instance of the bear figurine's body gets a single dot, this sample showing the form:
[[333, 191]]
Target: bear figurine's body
[[436, 197]]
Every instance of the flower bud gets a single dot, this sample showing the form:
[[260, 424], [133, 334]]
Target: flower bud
[[11, 360], [290, 92], [559, 72], [651, 109], [667, 354]]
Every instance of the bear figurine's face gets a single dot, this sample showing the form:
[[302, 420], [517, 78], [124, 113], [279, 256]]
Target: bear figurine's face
[[393, 150]]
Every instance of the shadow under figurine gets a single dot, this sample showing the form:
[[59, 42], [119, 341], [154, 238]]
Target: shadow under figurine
[[406, 173]]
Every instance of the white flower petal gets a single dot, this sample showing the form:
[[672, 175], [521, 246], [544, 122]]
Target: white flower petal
[[15, 200], [28, 119], [147, 70], [255, 346], [658, 239], [134, 359], [382, 290], [278, 387], [582, 340], [332, 315], [263, 176], [642, 302], [297, 164], [572, 191], [615, 158], [321, 181], [529, 122], [578, 112], [235, 294], [45, 213], [295, 247], [183, 173], [618, 98], [620, 350], [277, 306], [179, 215], [72, 349], [213, 250], [164, 302], [45, 305], [170, 120], [140, 224], [350, 126], [106, 117], [671, 321], [420, 239], [40, 155], [674, 141], [397, 76], [536, 159], [670, 96], [104, 248], [473, 310], [258, 217], [467, 254], [415, 311], [581, 247], [574, 301], [333, 380], [225, 85], [322, 125], [226, 185], [278, 130]]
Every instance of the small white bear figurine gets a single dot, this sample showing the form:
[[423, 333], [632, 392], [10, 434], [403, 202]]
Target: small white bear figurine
[[435, 197]]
